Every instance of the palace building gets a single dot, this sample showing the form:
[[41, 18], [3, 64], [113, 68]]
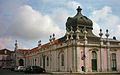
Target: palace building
[[79, 50]]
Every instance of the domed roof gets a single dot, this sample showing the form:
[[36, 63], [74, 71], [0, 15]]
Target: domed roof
[[78, 20], [82, 20]]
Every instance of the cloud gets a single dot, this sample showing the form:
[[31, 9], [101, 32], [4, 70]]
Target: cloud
[[20, 21], [9, 43], [102, 13], [32, 24], [107, 20], [5, 42], [96, 28], [73, 4], [60, 16], [7, 9]]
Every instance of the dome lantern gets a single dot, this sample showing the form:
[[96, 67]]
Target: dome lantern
[[78, 9]]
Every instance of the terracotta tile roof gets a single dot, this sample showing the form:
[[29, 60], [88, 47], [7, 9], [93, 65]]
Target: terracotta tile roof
[[23, 51], [52, 43], [37, 48], [57, 42], [46, 45], [34, 49]]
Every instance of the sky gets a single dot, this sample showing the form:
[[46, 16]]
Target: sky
[[29, 21]]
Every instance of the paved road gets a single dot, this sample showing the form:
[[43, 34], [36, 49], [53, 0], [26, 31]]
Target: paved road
[[8, 72]]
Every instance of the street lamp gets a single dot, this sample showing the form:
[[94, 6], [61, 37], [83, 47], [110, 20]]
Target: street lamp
[[50, 50], [15, 54]]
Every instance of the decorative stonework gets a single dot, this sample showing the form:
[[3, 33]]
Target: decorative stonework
[[93, 49], [113, 49]]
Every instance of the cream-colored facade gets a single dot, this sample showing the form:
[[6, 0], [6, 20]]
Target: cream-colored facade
[[6, 58], [79, 50]]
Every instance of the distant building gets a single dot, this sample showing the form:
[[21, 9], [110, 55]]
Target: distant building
[[6, 60], [79, 50]]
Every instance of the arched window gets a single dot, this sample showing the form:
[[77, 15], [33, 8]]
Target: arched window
[[114, 65], [94, 55], [21, 62], [62, 59], [47, 61], [35, 61], [94, 61]]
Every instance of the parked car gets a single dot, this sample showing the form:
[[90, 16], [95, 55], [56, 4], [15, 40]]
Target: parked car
[[34, 69], [12, 68], [16, 68], [19, 69]]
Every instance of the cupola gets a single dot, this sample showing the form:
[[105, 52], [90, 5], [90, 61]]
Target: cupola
[[79, 22]]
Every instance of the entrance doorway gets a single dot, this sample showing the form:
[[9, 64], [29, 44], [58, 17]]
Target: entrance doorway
[[94, 61], [21, 62]]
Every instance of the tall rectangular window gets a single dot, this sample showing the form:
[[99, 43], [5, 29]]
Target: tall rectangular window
[[62, 59], [113, 62], [47, 61], [40, 60]]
